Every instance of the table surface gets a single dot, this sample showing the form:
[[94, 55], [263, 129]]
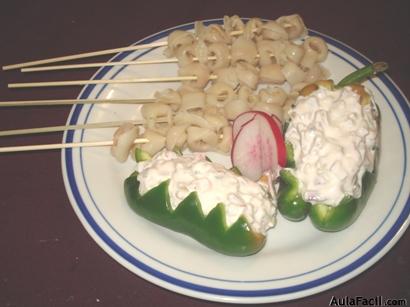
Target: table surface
[[47, 258]]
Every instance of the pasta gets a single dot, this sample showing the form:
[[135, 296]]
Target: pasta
[[221, 52], [245, 50], [246, 94], [186, 88], [157, 110], [158, 117], [309, 59], [294, 52], [225, 143], [272, 73], [156, 142], [190, 119], [270, 108], [216, 119], [273, 95], [201, 51], [266, 51], [198, 70], [248, 58], [228, 76], [247, 74], [273, 31], [201, 139], [272, 52], [317, 44], [316, 51], [176, 137], [211, 34], [185, 55], [193, 101], [293, 73], [219, 94], [123, 140], [253, 28], [314, 74], [293, 25], [233, 23], [235, 107], [169, 97], [177, 39]]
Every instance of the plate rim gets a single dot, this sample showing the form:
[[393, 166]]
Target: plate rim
[[393, 234]]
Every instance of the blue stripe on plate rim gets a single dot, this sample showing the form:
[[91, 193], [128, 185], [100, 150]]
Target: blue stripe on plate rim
[[393, 231]]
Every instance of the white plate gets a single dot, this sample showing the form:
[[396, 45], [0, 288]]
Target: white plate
[[297, 260]]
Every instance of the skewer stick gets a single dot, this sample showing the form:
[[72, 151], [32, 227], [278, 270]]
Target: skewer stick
[[74, 127], [53, 102], [103, 64], [99, 64], [66, 127], [84, 55], [114, 81], [94, 53], [63, 146]]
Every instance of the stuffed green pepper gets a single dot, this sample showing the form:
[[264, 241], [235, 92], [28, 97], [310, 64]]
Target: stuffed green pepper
[[332, 140], [214, 205]]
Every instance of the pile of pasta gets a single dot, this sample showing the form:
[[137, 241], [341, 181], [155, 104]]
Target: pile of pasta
[[239, 66]]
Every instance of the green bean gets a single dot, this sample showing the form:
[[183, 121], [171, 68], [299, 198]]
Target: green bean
[[362, 74]]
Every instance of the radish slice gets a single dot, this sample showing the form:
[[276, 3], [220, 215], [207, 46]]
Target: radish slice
[[278, 122], [241, 120], [280, 142], [245, 117], [275, 124], [247, 152], [258, 144]]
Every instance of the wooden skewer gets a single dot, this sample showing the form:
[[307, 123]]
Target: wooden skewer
[[74, 127], [52, 102], [102, 64], [63, 145], [104, 81], [67, 127], [93, 54], [99, 64], [84, 55]]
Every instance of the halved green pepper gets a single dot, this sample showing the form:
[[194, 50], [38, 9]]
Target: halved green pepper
[[324, 216], [211, 230]]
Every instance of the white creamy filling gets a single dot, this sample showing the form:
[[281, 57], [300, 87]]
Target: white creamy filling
[[213, 183], [333, 137]]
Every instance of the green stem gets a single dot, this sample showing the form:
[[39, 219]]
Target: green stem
[[362, 74]]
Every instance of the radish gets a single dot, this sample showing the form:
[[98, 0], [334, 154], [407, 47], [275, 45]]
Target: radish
[[280, 142], [258, 144], [276, 126], [241, 120], [244, 117]]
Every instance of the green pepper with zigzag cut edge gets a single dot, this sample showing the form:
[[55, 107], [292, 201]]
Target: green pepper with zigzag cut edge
[[237, 239]]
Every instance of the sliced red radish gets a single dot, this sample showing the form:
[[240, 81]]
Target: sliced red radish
[[277, 120], [276, 126], [241, 120], [280, 142], [258, 144], [244, 117]]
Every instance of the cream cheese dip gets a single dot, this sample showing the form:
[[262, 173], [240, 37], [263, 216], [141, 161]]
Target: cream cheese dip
[[213, 183], [334, 139]]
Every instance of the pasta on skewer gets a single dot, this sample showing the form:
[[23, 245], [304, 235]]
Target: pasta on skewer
[[201, 120], [265, 52], [239, 66]]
